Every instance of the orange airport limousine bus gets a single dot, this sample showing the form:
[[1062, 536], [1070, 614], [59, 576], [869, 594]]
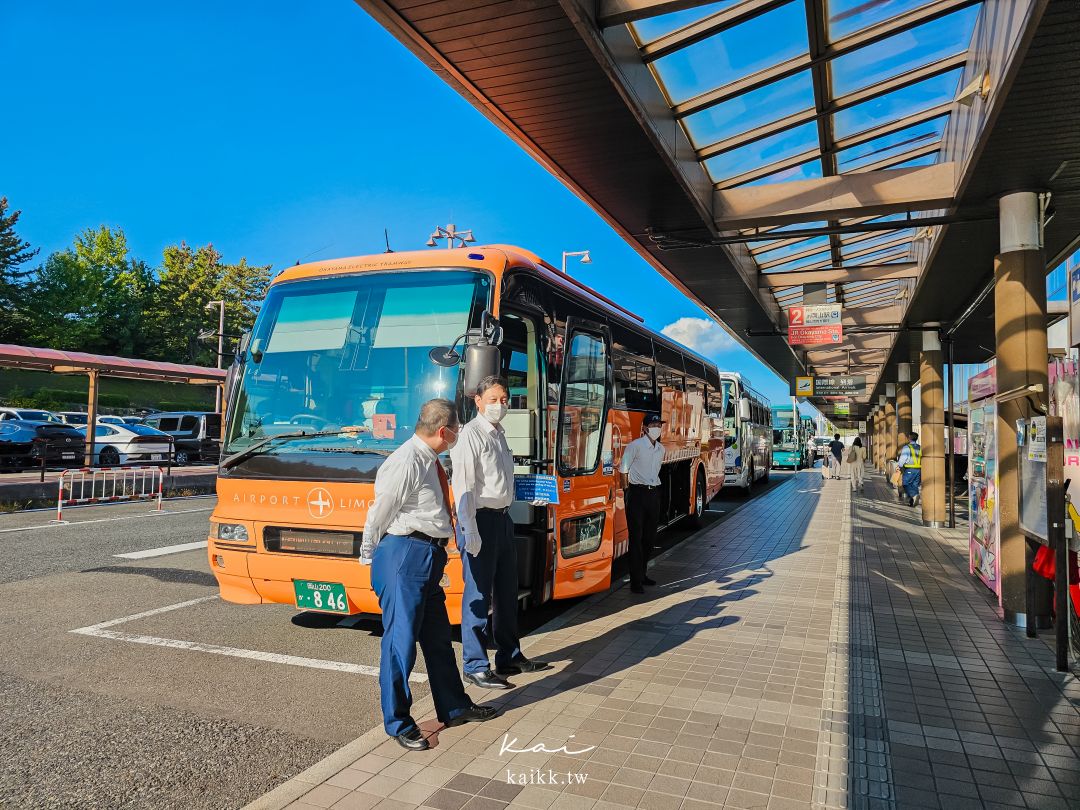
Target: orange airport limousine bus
[[342, 356]]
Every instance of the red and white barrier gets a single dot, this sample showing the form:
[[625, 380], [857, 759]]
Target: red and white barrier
[[108, 485]]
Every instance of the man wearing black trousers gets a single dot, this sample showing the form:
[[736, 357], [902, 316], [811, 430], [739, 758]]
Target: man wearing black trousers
[[640, 469]]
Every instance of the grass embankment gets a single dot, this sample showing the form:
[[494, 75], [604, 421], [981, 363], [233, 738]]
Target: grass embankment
[[68, 392]]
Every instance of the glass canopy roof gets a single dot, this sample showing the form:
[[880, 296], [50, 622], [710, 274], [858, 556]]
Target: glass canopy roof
[[772, 92]]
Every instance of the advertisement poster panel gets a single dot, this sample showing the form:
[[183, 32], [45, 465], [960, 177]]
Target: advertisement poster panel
[[984, 538]]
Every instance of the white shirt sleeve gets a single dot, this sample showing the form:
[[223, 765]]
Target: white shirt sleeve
[[465, 457], [393, 483], [627, 458]]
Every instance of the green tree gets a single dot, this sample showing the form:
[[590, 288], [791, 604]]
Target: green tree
[[14, 252], [92, 296], [187, 281]]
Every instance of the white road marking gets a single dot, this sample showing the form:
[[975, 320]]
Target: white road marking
[[160, 552], [69, 523], [101, 630]]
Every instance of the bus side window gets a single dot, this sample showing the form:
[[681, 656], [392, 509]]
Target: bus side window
[[633, 382], [520, 374], [583, 399]]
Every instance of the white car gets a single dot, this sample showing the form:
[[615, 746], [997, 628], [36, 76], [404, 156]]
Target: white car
[[120, 420], [126, 444], [29, 415], [74, 417]]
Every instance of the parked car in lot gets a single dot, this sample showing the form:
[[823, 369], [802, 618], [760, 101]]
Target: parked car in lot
[[196, 434], [29, 414], [23, 443], [120, 420], [74, 417], [128, 444]]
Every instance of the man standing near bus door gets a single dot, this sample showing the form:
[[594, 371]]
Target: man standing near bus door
[[483, 468], [405, 536], [640, 472]]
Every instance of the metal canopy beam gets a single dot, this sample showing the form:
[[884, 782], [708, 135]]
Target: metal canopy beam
[[873, 316], [882, 192], [835, 275], [860, 39]]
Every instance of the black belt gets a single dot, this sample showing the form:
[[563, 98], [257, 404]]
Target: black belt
[[646, 486], [500, 511], [438, 541]]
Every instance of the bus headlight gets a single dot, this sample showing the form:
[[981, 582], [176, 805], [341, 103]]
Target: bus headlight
[[232, 532]]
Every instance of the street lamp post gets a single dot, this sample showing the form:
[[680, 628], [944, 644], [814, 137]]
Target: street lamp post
[[451, 234], [584, 254], [220, 345]]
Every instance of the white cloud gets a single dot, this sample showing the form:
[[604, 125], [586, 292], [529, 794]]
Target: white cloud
[[702, 335]]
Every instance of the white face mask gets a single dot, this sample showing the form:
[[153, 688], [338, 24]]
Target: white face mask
[[653, 432], [494, 412], [450, 444]]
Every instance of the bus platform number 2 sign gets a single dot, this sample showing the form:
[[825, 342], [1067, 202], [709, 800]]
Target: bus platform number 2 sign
[[811, 325]]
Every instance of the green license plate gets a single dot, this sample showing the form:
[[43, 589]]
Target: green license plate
[[325, 596]]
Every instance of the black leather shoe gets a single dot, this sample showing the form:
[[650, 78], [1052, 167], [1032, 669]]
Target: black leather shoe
[[487, 680], [413, 740], [649, 581], [636, 589], [474, 714], [523, 664]]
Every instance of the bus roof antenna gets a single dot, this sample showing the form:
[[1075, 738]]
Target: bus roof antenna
[[386, 235]]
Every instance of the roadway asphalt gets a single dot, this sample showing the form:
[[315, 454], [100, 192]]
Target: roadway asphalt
[[138, 714]]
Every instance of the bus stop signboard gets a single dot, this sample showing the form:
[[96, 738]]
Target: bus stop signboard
[[838, 385], [813, 325]]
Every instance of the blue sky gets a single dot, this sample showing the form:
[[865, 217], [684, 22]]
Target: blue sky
[[278, 131]]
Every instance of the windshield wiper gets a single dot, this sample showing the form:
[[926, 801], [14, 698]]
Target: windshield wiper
[[258, 447], [360, 451]]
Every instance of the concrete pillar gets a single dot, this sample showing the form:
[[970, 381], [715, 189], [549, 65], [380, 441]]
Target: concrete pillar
[[1020, 330], [932, 430], [91, 419], [882, 425], [890, 422], [903, 398]]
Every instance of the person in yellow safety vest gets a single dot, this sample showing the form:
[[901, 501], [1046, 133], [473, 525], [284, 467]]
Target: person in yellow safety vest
[[910, 462]]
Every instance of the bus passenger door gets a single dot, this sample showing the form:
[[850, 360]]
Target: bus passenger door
[[584, 467]]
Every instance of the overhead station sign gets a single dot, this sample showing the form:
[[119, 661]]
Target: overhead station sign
[[839, 385], [842, 409], [813, 325]]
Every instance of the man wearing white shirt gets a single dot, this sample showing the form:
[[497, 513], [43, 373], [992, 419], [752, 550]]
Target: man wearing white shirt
[[483, 469], [405, 536], [640, 468]]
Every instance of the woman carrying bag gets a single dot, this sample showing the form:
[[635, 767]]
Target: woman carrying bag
[[856, 461]]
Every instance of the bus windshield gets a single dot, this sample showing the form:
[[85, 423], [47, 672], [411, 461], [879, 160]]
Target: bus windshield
[[784, 438], [350, 353], [731, 403]]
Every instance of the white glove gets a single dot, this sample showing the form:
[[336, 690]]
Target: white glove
[[472, 543], [538, 502]]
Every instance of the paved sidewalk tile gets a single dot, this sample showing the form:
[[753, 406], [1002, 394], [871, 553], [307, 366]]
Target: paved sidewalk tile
[[817, 649]]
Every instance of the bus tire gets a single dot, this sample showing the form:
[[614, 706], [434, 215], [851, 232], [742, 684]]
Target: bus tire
[[749, 487], [697, 509], [765, 477]]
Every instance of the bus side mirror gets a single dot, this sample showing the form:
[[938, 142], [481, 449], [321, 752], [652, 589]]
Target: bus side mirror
[[481, 360], [744, 409]]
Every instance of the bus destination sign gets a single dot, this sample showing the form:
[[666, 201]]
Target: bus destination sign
[[838, 385], [811, 325]]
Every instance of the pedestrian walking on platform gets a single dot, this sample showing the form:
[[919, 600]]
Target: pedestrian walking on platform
[[405, 536], [640, 474], [910, 462], [856, 461], [836, 456], [484, 488]]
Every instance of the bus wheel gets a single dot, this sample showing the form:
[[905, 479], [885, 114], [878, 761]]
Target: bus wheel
[[749, 488], [693, 520], [765, 477]]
